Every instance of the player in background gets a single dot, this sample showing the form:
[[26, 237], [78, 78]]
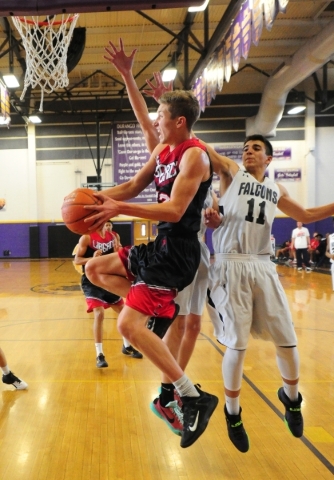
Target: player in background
[[91, 245], [109, 228], [330, 254], [8, 376], [246, 289]]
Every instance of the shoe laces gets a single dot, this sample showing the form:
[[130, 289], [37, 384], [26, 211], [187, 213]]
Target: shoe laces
[[237, 424], [296, 413]]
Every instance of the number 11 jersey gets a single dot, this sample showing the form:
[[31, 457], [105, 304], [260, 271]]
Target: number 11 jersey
[[249, 209]]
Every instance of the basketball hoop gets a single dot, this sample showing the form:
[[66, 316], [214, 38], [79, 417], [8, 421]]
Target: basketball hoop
[[46, 43]]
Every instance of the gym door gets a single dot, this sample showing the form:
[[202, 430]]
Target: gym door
[[144, 231]]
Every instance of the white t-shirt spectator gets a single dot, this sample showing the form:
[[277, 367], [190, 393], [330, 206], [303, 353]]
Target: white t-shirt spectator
[[301, 237]]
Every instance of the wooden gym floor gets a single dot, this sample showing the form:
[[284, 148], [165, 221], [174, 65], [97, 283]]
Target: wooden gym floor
[[78, 422]]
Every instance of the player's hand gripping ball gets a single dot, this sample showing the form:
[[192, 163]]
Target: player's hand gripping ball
[[74, 213]]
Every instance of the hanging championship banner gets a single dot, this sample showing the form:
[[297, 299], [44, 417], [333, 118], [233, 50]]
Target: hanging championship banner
[[257, 21], [246, 34], [221, 66], [236, 41], [228, 54], [270, 13], [200, 92], [282, 4]]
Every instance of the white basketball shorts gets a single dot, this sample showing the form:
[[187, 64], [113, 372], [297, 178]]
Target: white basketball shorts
[[192, 298], [247, 292]]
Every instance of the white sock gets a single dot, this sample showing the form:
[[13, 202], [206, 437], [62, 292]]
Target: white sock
[[99, 349], [232, 373], [185, 388], [232, 405], [126, 343], [291, 391], [288, 364], [5, 370]]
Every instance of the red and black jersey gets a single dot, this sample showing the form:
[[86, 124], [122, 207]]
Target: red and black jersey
[[97, 242], [167, 169], [105, 244]]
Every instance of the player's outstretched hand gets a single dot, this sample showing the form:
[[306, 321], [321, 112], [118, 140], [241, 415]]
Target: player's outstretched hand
[[119, 59], [109, 208], [159, 88], [212, 218]]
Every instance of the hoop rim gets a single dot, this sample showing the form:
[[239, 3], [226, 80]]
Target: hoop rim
[[69, 19]]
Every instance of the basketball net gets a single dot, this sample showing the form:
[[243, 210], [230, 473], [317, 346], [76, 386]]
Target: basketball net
[[46, 44]]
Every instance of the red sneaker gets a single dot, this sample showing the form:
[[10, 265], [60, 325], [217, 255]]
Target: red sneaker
[[177, 398], [171, 414]]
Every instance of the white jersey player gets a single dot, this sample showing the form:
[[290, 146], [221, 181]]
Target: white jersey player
[[246, 289], [330, 254]]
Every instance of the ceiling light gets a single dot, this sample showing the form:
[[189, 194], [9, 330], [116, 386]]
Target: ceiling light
[[11, 81], [200, 8], [298, 109], [34, 119], [169, 74], [153, 115]]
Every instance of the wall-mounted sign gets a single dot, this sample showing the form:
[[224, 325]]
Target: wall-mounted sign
[[130, 154], [234, 152], [288, 174]]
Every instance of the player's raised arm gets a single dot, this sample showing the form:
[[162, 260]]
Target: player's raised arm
[[223, 166], [124, 63], [159, 88], [293, 209]]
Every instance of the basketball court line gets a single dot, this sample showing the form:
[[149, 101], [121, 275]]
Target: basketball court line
[[326, 463]]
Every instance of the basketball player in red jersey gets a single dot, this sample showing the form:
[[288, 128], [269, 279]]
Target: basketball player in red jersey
[[182, 334], [149, 276], [96, 244]]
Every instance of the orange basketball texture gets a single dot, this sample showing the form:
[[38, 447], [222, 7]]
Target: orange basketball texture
[[74, 213]]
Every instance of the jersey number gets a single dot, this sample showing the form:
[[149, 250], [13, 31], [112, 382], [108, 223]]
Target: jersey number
[[249, 217]]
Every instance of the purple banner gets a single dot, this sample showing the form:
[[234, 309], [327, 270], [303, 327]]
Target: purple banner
[[282, 153], [234, 152], [282, 4], [221, 67], [246, 23], [228, 54], [236, 40], [288, 174], [200, 92], [129, 155], [270, 13], [257, 21]]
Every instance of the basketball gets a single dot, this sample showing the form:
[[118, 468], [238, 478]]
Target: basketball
[[74, 213]]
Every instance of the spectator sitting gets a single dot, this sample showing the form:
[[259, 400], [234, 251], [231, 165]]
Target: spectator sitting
[[284, 252], [321, 259]]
